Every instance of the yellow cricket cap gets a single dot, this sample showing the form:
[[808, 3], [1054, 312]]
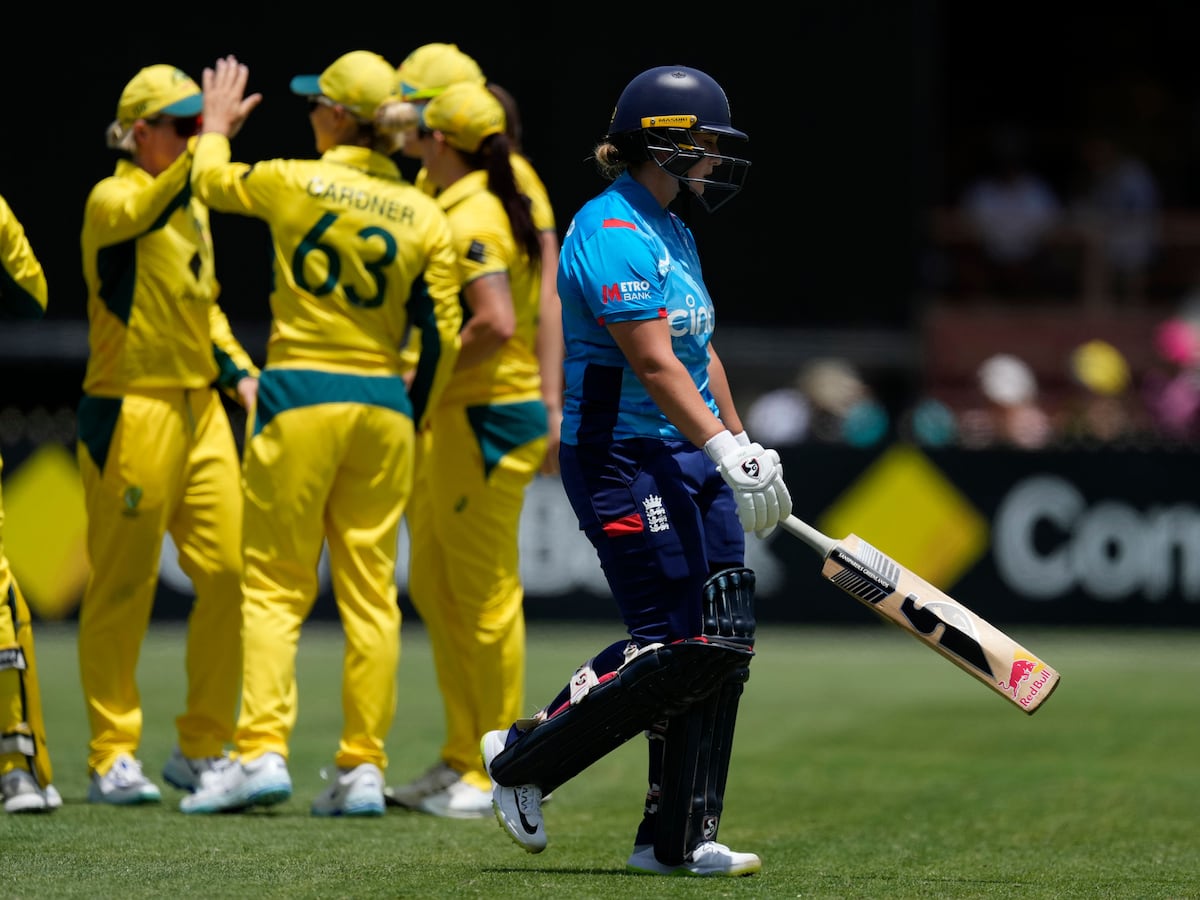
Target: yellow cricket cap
[[432, 68], [466, 113], [159, 89], [359, 80]]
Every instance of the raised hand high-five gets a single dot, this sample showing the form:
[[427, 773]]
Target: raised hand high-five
[[226, 107]]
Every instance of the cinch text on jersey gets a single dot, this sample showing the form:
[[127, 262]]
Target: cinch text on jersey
[[693, 321], [360, 199]]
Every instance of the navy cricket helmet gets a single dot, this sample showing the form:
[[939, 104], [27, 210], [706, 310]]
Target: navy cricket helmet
[[659, 116]]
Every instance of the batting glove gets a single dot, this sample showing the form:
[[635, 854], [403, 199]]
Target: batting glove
[[756, 477]]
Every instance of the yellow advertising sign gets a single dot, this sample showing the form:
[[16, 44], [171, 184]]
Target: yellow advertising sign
[[45, 531], [904, 503]]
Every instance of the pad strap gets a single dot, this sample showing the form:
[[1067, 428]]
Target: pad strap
[[729, 605], [657, 683]]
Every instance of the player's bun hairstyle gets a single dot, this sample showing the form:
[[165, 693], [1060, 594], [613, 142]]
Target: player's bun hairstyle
[[393, 122], [658, 117]]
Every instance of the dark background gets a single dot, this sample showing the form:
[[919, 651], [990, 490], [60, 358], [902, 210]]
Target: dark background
[[862, 116], [829, 103]]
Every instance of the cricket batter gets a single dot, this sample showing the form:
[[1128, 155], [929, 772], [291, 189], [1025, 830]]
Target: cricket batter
[[664, 482]]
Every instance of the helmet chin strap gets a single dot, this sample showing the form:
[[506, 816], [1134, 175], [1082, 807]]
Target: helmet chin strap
[[687, 201], [705, 199]]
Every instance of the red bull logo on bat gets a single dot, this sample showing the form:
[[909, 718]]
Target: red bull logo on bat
[[1021, 669], [1025, 668]]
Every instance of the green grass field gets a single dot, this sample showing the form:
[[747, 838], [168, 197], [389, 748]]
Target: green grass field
[[865, 766]]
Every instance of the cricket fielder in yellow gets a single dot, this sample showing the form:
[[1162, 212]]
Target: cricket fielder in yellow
[[453, 785], [156, 451], [423, 74], [25, 770], [485, 443], [362, 259]]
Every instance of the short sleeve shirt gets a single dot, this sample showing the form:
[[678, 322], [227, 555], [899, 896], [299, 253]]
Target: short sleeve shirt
[[625, 258]]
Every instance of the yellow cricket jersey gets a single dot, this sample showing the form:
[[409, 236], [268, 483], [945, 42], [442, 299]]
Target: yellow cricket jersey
[[528, 183], [23, 295], [22, 282], [5, 571], [532, 187], [152, 288], [485, 244], [360, 258]]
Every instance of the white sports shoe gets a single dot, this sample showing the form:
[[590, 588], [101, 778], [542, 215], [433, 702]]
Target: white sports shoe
[[355, 792], [708, 859], [459, 801], [53, 797], [436, 778], [240, 785], [188, 773], [22, 794], [518, 809], [123, 784]]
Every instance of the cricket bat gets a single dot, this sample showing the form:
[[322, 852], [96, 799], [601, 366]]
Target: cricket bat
[[933, 617]]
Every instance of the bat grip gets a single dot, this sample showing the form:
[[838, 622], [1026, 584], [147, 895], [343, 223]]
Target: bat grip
[[796, 527]]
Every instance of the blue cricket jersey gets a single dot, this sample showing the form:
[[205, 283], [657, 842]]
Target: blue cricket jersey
[[625, 258]]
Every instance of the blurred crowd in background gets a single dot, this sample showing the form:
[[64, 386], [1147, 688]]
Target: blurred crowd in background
[[1059, 312], [830, 401], [1055, 249]]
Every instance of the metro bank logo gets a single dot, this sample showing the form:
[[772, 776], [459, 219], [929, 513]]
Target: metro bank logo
[[623, 290]]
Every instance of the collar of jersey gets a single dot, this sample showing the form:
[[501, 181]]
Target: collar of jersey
[[638, 196], [472, 183], [364, 159]]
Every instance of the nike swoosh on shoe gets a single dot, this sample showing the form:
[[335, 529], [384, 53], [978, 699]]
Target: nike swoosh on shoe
[[529, 829]]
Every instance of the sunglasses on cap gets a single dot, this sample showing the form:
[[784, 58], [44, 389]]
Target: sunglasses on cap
[[184, 128], [317, 100]]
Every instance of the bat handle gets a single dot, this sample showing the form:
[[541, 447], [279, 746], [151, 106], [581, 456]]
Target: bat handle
[[820, 542]]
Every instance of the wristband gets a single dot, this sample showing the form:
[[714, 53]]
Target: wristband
[[721, 445]]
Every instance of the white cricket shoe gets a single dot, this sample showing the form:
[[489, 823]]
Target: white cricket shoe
[[708, 859], [355, 792], [518, 809], [123, 784], [240, 785], [459, 801], [22, 794], [53, 797], [188, 772], [436, 779]]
